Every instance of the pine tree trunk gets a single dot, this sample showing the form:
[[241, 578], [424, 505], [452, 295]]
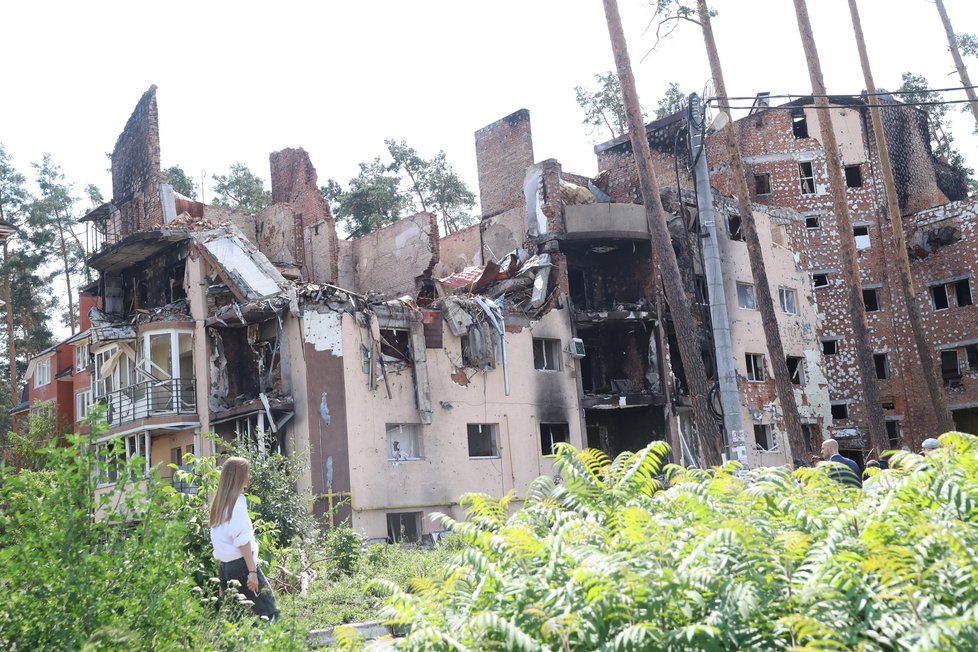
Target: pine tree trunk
[[64, 259], [11, 340], [850, 269], [952, 45], [800, 447], [707, 430], [928, 364]]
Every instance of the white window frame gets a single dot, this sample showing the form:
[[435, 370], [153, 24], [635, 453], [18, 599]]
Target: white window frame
[[493, 439], [83, 401], [802, 178], [783, 295], [133, 445], [550, 352], [550, 436], [42, 372], [81, 356], [746, 298], [410, 432], [756, 367]]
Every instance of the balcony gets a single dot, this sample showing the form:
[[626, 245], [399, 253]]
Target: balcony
[[153, 398]]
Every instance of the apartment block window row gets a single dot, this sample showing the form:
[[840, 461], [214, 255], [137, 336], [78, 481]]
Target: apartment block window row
[[951, 363]]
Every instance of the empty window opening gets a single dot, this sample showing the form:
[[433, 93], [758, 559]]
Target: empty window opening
[[734, 226], [403, 442], [813, 222], [796, 369], [404, 527], [755, 367], [830, 347], [806, 173], [950, 370], [840, 411], [861, 233], [745, 296], [972, 352], [962, 292], [820, 280], [482, 440], [882, 366], [854, 176], [762, 184], [553, 433], [789, 301], [939, 294], [893, 433], [762, 436], [871, 299], [546, 354], [395, 345], [799, 126]]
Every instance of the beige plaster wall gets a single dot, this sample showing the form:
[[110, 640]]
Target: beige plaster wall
[[848, 126]]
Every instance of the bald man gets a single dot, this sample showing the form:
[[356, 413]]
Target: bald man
[[848, 472]]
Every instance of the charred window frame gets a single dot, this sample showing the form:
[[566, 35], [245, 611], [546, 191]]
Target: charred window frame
[[871, 298], [551, 434], [854, 176], [762, 183], [830, 346], [735, 227], [820, 280], [813, 222], [840, 410], [763, 437], [971, 352], [799, 125], [404, 527], [395, 345], [962, 292], [950, 367], [806, 177], [893, 432]]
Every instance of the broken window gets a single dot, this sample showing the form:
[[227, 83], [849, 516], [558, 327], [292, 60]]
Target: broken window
[[745, 296], [820, 279], [404, 527], [806, 173], [553, 433], [854, 176], [789, 301], [482, 440], [939, 294], [949, 367], [734, 227], [882, 366], [762, 184], [871, 299], [830, 346], [799, 126], [762, 436], [893, 432], [840, 411], [812, 222], [796, 369], [395, 345], [755, 367], [962, 292], [403, 441], [861, 233], [972, 352], [546, 354]]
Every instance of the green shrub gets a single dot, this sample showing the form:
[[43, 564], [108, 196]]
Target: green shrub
[[610, 559]]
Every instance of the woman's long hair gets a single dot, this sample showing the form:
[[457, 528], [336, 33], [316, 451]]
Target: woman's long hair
[[234, 474]]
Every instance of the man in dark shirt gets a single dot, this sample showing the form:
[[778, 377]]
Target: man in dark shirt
[[845, 471]]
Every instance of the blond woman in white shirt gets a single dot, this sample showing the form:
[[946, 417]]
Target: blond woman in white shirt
[[233, 538]]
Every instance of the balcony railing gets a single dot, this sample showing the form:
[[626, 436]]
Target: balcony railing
[[150, 399]]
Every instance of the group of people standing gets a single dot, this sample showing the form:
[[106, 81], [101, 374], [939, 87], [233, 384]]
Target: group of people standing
[[846, 471]]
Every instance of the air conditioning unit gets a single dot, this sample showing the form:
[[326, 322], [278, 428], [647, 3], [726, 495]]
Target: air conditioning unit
[[576, 348]]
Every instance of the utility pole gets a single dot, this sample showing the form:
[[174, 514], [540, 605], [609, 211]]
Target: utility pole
[[928, 364], [952, 45], [733, 422], [850, 269], [797, 442], [706, 426]]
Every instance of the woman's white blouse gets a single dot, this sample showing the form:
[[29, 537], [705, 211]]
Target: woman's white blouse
[[233, 533]]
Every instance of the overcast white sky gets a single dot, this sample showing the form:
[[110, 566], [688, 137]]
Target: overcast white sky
[[240, 80]]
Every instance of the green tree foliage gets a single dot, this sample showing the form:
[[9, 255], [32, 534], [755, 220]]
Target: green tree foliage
[[603, 106], [915, 88], [181, 181], [383, 192], [241, 188], [609, 558], [967, 44], [674, 97]]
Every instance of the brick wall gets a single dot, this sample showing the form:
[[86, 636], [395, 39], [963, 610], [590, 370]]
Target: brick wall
[[503, 150], [136, 175]]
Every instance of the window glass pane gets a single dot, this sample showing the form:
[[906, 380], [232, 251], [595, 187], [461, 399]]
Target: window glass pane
[[745, 296]]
